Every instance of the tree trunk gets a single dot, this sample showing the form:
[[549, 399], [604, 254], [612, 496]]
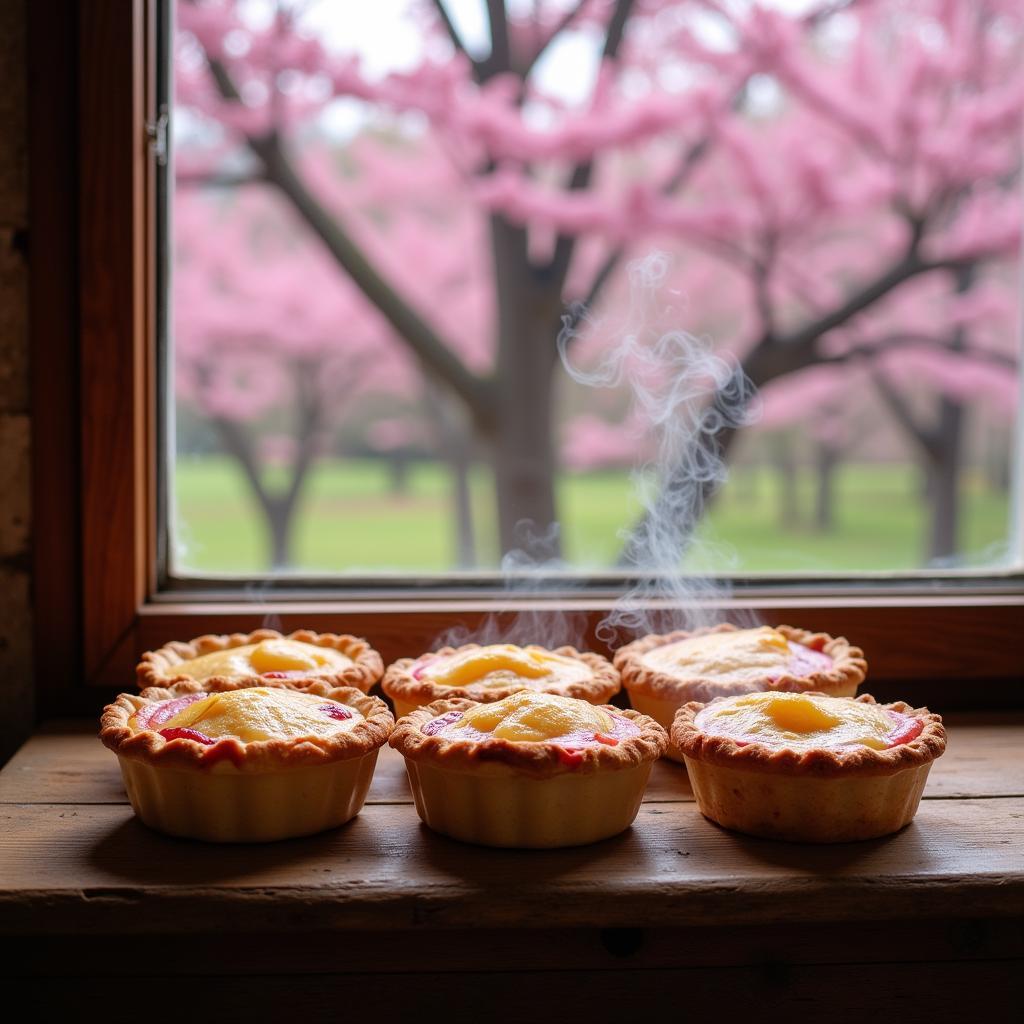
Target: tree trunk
[[398, 473], [454, 433], [661, 536], [278, 509], [745, 483], [786, 468], [824, 502], [998, 461], [280, 515], [944, 477], [522, 442], [465, 535], [947, 450]]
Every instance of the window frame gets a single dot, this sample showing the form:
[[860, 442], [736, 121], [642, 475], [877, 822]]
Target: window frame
[[95, 410]]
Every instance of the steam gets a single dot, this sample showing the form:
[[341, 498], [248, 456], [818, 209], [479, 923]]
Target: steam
[[256, 593], [529, 569], [691, 398]]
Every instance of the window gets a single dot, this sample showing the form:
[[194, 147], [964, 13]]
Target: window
[[380, 220], [101, 455]]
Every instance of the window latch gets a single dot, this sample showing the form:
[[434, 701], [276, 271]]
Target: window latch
[[156, 132]]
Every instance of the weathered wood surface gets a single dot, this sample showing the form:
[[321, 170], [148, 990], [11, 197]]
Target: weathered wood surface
[[74, 858], [96, 867]]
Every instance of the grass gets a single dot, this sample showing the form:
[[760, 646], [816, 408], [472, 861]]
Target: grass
[[350, 520]]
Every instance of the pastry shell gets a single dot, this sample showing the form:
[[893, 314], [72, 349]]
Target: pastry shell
[[817, 796], [408, 693], [660, 694], [232, 791], [157, 668], [499, 793]]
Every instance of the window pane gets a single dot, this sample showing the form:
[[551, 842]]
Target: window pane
[[780, 242]]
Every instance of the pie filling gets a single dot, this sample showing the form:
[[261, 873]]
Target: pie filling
[[499, 665], [803, 722], [739, 656], [276, 659], [529, 717], [250, 715]]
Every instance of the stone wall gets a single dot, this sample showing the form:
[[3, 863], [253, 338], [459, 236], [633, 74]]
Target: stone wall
[[16, 703]]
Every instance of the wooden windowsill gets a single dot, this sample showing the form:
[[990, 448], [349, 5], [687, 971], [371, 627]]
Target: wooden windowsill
[[76, 861]]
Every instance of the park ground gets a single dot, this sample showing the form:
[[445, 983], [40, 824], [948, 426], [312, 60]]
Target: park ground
[[351, 520]]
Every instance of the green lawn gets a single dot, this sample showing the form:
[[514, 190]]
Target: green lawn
[[351, 520]]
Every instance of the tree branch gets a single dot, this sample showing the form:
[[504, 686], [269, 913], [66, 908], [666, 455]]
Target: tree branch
[[910, 265], [418, 334], [435, 355], [761, 272], [453, 32], [910, 340], [616, 29], [217, 179], [564, 22], [558, 267], [768, 359], [500, 58], [310, 421], [829, 10], [902, 414], [240, 446], [691, 159]]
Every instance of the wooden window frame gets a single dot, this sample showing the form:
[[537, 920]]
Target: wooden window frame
[[94, 401]]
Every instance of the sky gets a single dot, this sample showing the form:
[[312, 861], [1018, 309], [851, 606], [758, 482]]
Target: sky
[[387, 37]]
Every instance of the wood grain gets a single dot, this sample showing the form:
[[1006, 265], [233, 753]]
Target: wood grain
[[67, 764], [116, 452], [95, 867]]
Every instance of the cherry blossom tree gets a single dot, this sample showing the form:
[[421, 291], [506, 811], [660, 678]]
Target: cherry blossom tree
[[272, 351], [834, 162], [818, 404]]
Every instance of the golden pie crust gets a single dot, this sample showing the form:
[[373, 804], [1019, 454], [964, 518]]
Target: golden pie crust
[[408, 693], [841, 679], [157, 668], [499, 793], [819, 795], [233, 791], [660, 694], [261, 755], [539, 759]]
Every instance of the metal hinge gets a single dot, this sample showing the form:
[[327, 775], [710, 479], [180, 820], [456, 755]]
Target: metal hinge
[[156, 131]]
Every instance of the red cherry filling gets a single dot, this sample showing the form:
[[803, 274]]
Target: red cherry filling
[[186, 734], [908, 729], [421, 667], [604, 738], [571, 756], [336, 711], [156, 714], [434, 726]]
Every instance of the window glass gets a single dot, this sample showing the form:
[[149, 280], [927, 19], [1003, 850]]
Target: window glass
[[708, 283]]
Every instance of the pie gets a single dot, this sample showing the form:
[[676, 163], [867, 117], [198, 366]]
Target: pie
[[235, 763], [530, 770], [240, 659], [661, 673], [808, 767], [494, 672]]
